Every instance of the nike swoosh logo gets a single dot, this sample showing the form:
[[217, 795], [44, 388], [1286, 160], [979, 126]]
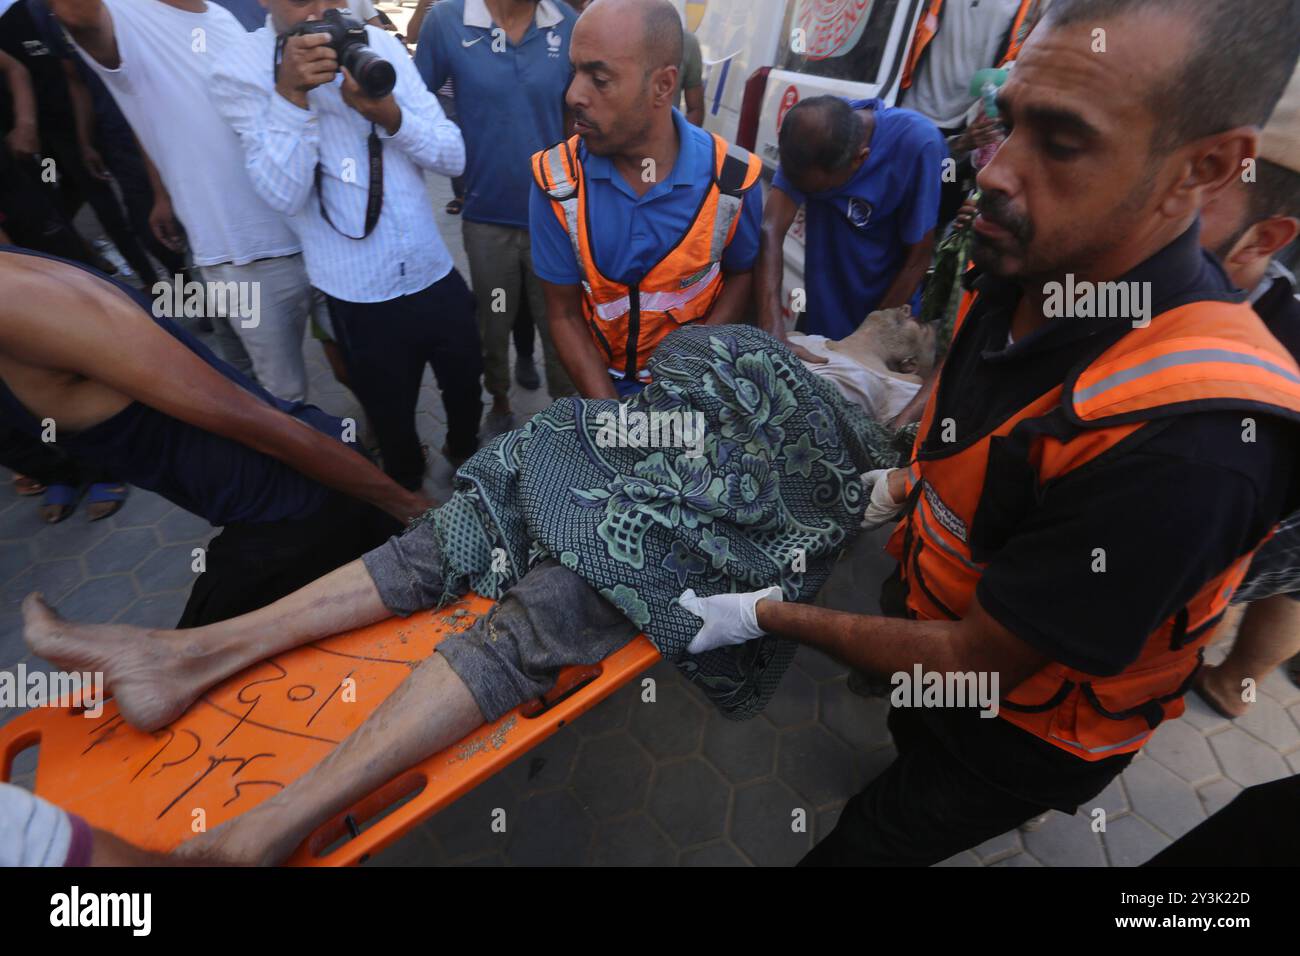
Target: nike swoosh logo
[[469, 43]]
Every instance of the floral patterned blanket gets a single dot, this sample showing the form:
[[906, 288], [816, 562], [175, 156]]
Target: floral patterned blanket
[[769, 493]]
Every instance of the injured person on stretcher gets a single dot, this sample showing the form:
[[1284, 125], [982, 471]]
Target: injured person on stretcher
[[583, 546]]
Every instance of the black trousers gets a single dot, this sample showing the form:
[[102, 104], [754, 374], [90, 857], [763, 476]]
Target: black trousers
[[386, 346], [928, 805], [248, 566], [925, 807]]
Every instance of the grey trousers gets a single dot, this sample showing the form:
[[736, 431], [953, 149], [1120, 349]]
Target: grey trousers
[[501, 272], [550, 620]]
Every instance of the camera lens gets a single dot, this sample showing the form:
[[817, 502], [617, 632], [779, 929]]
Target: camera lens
[[373, 73]]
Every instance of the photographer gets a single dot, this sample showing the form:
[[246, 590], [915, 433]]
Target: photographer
[[347, 168]]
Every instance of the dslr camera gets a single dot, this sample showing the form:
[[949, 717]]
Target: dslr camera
[[373, 73]]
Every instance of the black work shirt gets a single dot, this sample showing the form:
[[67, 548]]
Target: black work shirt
[[1178, 508]]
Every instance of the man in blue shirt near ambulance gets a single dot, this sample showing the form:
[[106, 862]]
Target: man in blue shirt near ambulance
[[508, 61], [869, 176], [642, 222]]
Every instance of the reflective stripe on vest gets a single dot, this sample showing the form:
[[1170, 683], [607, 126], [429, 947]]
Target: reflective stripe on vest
[[628, 321], [928, 25]]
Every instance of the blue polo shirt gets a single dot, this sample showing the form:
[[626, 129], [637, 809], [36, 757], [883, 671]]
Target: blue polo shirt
[[856, 234], [509, 99], [630, 233]]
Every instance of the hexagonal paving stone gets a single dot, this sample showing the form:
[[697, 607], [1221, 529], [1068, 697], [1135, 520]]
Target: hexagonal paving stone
[[611, 713], [99, 600], [1245, 760], [1280, 687], [121, 551], [762, 824], [817, 665], [816, 765], [716, 854], [1065, 840], [1131, 841], [54, 579], [181, 526], [632, 841], [1182, 748], [742, 750], [858, 721], [1200, 715], [611, 775], [1018, 859], [998, 847], [964, 858], [12, 648], [14, 557], [1269, 721], [672, 725], [1218, 794], [795, 700], [1113, 799], [416, 848], [547, 765], [167, 569], [1162, 798], [689, 800], [21, 521], [69, 538], [549, 829], [465, 828], [142, 508]]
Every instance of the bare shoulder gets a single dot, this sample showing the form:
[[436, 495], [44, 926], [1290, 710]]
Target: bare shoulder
[[50, 311]]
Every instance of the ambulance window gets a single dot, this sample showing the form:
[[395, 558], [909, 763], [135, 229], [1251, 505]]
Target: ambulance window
[[838, 39]]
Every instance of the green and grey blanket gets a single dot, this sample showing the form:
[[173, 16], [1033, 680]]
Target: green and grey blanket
[[768, 493]]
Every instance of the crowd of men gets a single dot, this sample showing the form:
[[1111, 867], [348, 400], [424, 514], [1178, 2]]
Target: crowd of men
[[246, 149]]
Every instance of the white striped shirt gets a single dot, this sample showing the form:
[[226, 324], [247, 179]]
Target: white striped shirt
[[283, 144]]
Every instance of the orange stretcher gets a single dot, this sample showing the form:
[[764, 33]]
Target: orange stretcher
[[257, 732]]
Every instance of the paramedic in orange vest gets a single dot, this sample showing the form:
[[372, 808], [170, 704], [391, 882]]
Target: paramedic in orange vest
[[641, 222], [1091, 476]]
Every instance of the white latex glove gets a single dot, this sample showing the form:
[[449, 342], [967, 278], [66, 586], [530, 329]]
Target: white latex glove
[[881, 506], [728, 618]]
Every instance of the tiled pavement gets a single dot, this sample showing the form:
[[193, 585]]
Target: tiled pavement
[[668, 782]]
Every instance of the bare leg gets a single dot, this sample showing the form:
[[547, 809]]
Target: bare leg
[[1269, 634], [155, 674], [428, 712]]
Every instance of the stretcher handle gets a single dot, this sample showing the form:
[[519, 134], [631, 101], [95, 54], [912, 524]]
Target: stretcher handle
[[584, 691], [13, 741]]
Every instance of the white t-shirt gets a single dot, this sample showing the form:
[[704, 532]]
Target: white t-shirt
[[969, 39], [161, 86], [363, 10]]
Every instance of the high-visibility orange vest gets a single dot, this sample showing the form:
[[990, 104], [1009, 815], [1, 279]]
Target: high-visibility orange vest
[[1202, 356], [928, 26], [627, 323]]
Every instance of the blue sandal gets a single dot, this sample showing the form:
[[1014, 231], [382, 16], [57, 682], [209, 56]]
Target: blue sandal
[[62, 497], [105, 493]]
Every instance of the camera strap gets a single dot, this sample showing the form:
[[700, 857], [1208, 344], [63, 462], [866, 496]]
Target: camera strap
[[375, 199], [375, 149]]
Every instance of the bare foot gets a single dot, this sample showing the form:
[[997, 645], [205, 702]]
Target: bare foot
[[255, 838], [146, 676], [1221, 690]]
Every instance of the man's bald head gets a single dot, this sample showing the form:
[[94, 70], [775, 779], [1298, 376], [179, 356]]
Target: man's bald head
[[660, 24]]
